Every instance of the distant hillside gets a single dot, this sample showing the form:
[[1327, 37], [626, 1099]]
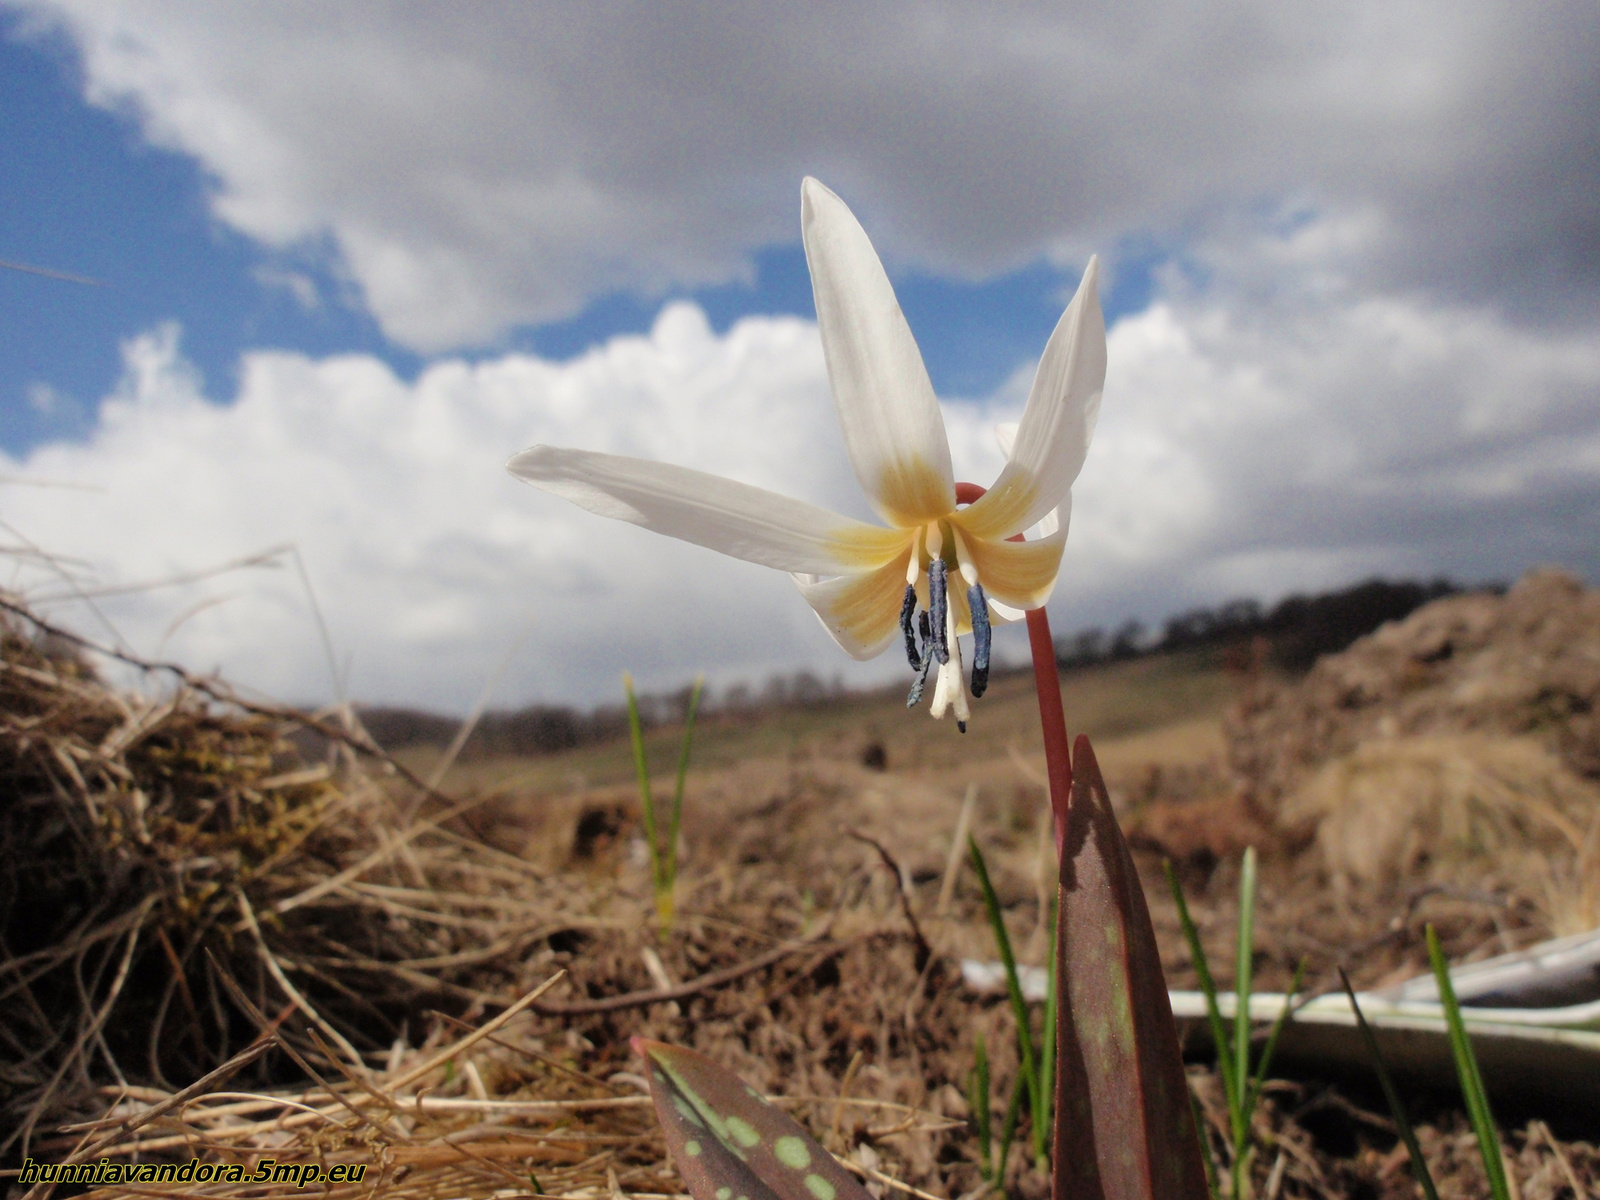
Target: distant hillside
[[1293, 634]]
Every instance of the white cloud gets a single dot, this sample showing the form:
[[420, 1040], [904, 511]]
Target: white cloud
[[477, 174], [296, 283], [427, 558], [1241, 451], [1247, 452]]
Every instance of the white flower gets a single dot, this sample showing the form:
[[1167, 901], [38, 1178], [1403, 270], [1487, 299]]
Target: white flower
[[865, 581]]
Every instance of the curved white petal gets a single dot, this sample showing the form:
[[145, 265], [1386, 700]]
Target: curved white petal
[[1018, 574], [996, 523], [1006, 434], [1004, 614], [892, 425], [743, 521], [1053, 437], [1058, 517], [1064, 403], [861, 610]]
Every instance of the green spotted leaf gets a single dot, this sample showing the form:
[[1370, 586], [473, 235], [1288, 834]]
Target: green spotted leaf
[[728, 1142], [1124, 1126]]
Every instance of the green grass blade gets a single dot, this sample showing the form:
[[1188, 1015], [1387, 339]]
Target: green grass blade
[[647, 802], [1027, 1064], [675, 821], [1472, 1089], [978, 1101], [1208, 988], [1008, 1129], [1047, 1047], [1271, 1047], [1206, 1156], [1241, 996], [1419, 1165]]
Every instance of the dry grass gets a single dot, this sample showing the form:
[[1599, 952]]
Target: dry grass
[[1448, 809], [324, 948], [1109, 703], [158, 850]]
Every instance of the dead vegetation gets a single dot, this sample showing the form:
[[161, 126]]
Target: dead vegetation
[[161, 848], [339, 955], [1456, 748]]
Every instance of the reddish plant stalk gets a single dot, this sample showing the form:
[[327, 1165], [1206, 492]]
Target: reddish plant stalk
[[1052, 720], [1047, 683]]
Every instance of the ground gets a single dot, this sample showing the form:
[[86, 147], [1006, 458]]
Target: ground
[[770, 808], [823, 908]]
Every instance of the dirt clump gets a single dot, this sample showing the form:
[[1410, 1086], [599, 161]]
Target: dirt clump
[[1461, 741], [1527, 662]]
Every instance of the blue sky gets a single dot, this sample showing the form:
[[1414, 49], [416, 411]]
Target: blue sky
[[355, 256], [85, 194]]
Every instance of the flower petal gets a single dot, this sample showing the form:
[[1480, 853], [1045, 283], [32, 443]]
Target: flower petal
[[861, 610], [1058, 517], [892, 425], [1056, 426], [1004, 614], [1018, 574], [743, 521]]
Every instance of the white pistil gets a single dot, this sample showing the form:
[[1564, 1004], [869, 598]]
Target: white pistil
[[950, 688], [935, 539], [963, 714], [941, 691]]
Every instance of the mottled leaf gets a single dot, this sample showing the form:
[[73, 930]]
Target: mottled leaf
[[728, 1142], [1124, 1126]]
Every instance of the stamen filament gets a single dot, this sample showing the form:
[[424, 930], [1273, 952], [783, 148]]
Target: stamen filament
[[938, 608], [908, 609], [982, 638], [921, 681]]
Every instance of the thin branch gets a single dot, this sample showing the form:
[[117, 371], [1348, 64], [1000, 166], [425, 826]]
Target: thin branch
[[924, 951], [694, 987]]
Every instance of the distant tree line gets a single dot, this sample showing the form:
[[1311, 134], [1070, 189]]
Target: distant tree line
[[1296, 631], [547, 729]]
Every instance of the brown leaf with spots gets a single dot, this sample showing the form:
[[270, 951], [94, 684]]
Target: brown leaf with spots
[[1124, 1128], [728, 1142]]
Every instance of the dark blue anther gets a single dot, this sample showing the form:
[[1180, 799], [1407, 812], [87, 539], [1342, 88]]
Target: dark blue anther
[[982, 636], [921, 681], [937, 600], [908, 609]]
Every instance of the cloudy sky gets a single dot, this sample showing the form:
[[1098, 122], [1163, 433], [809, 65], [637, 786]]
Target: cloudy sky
[[347, 259]]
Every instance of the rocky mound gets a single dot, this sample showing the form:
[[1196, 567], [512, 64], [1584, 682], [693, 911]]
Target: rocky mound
[[1527, 662], [1466, 730]]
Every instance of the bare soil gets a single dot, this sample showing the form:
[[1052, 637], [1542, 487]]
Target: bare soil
[[1466, 727], [1442, 771]]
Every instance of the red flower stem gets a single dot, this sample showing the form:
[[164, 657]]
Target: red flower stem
[[1052, 721], [1047, 683]]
